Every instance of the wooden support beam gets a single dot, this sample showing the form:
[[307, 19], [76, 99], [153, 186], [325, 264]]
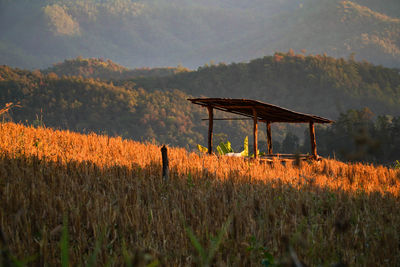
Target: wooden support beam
[[233, 106], [255, 133], [210, 129], [269, 137], [313, 141], [229, 119]]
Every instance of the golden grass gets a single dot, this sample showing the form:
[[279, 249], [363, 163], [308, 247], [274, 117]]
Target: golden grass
[[112, 188]]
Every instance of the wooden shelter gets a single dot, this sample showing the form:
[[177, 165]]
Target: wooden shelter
[[259, 112]]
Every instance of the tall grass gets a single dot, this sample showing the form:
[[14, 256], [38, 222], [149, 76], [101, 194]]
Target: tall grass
[[111, 190]]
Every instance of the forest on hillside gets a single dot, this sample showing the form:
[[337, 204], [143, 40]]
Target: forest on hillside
[[137, 33], [88, 95], [315, 84], [99, 68]]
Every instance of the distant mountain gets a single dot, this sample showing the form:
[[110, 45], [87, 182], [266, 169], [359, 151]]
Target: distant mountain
[[106, 69], [140, 33], [337, 28], [389, 7]]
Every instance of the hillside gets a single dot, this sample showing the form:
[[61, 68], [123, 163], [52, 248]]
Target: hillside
[[161, 114], [338, 28], [313, 84], [103, 200], [88, 105], [106, 69], [85, 105], [152, 33]]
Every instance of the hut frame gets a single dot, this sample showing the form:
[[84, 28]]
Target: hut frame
[[259, 112]]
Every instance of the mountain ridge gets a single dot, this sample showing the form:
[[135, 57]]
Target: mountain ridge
[[168, 33]]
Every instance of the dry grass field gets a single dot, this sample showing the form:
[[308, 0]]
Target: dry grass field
[[119, 211]]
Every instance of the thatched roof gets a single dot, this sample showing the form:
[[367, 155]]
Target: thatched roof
[[265, 112]]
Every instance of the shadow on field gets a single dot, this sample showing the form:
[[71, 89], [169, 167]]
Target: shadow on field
[[126, 214]]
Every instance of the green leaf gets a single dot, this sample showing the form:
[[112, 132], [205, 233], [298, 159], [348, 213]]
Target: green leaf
[[64, 244], [229, 147], [126, 255], [245, 152], [397, 165], [196, 244], [93, 258], [215, 245], [220, 150], [206, 256], [202, 148], [223, 148], [16, 262], [153, 264]]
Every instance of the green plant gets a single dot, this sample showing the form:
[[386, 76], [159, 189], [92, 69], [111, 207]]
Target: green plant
[[202, 149], [258, 250], [190, 182], [245, 152], [225, 148], [206, 256], [64, 244], [397, 164], [38, 122]]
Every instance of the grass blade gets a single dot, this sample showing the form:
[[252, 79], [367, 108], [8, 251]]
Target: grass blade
[[64, 244], [215, 245], [195, 242]]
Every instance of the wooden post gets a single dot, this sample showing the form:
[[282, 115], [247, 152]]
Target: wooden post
[[210, 129], [313, 141], [269, 137], [165, 167], [255, 129]]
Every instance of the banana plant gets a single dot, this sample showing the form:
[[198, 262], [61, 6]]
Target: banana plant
[[245, 152], [226, 149], [202, 149]]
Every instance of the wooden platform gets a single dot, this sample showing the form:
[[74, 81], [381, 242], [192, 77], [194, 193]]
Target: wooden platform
[[287, 157]]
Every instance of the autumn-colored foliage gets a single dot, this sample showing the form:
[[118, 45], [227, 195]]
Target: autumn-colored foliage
[[111, 191]]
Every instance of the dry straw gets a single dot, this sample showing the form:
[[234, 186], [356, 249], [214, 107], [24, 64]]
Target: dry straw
[[111, 190]]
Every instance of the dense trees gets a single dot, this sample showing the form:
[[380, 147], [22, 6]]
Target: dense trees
[[106, 69], [86, 104], [315, 84], [358, 135], [89, 105]]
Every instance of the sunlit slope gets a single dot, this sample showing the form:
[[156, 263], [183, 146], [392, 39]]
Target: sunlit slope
[[111, 190], [105, 151]]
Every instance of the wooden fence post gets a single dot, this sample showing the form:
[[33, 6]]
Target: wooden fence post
[[255, 132], [313, 142], [165, 167], [269, 137], [210, 129]]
